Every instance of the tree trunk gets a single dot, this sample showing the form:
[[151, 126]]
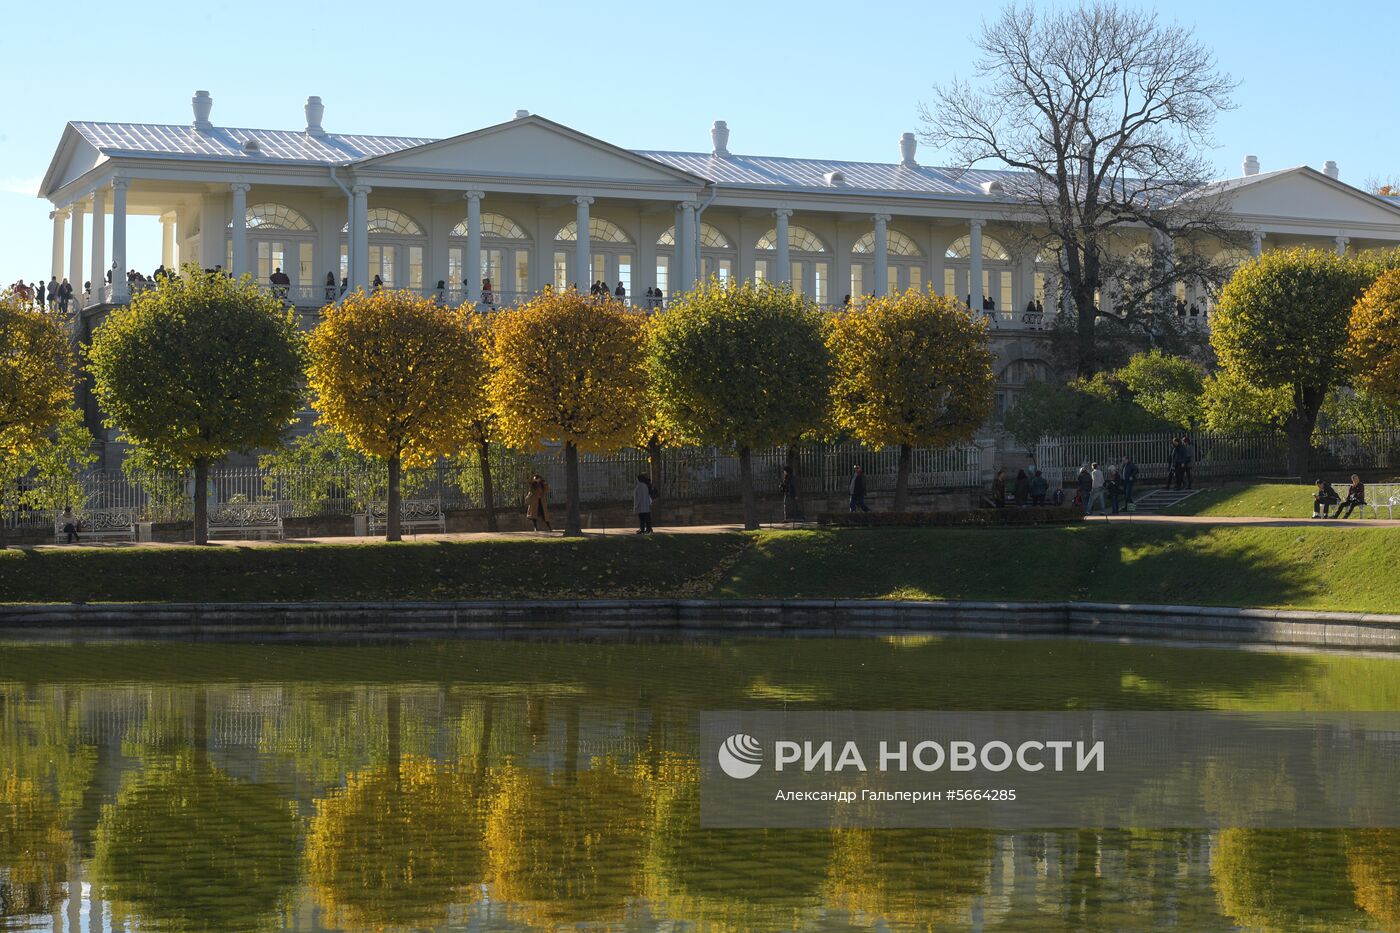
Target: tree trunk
[[1299, 428], [901, 482], [201, 500], [392, 518], [794, 465], [654, 460], [573, 521], [746, 490], [488, 495], [1084, 345]]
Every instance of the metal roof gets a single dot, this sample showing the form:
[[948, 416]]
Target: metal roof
[[227, 143], [777, 171]]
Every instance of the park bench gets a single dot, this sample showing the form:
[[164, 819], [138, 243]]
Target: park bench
[[1384, 496], [414, 515], [246, 520], [98, 525]]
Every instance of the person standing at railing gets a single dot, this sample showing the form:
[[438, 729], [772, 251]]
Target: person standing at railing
[[378, 282], [620, 293], [40, 295], [330, 286], [1188, 452], [280, 283], [488, 295], [65, 295], [440, 293]]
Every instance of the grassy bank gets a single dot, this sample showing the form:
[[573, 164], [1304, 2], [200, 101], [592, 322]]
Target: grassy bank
[[1269, 500], [1311, 568]]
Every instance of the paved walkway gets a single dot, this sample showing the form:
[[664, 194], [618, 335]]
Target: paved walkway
[[1249, 521]]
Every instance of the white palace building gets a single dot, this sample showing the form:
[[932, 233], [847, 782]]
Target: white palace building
[[529, 202]]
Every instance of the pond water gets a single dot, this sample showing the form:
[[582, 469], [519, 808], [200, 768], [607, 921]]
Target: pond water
[[507, 785]]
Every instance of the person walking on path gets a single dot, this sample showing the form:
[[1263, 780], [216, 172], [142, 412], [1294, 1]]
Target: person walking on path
[[537, 503], [792, 511], [1021, 492], [1113, 487], [1039, 487], [1128, 473], [858, 490], [1083, 484], [1188, 451], [1356, 496], [641, 504], [999, 489], [1096, 491], [70, 525]]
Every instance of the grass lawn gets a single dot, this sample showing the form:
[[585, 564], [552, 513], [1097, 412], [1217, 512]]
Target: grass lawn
[[1315, 568], [1270, 500]]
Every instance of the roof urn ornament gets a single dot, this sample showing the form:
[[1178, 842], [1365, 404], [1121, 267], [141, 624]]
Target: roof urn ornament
[[719, 138]]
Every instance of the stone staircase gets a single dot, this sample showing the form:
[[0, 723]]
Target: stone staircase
[[1154, 501]]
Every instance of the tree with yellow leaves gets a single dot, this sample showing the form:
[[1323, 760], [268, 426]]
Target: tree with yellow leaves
[[568, 370], [1373, 345], [36, 378], [910, 370], [400, 377]]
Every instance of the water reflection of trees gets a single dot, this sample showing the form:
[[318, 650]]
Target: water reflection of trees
[[1284, 879], [34, 848]]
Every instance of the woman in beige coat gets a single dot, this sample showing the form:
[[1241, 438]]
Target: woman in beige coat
[[537, 503]]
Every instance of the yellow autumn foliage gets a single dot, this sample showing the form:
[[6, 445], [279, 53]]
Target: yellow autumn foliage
[[36, 377], [397, 374], [1373, 344]]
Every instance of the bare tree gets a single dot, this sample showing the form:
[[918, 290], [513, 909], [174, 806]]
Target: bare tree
[[1385, 187], [1105, 112]]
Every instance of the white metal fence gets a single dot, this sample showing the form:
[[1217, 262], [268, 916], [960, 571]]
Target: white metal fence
[[686, 473], [1221, 455]]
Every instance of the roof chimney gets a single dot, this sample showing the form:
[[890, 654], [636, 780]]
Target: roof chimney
[[907, 147], [315, 110], [719, 138], [521, 114], [1251, 165], [202, 104], [1329, 168]]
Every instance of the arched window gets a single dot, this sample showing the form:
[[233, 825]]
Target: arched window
[[800, 240], [710, 238], [961, 248], [599, 231], [497, 226], [1020, 372], [900, 245], [386, 220], [274, 217]]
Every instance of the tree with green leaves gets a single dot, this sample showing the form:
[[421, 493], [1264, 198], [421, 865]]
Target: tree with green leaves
[[910, 370], [196, 368], [568, 370], [36, 378], [1233, 405], [742, 367], [1098, 405], [398, 375], [1373, 346], [1281, 323], [1168, 387]]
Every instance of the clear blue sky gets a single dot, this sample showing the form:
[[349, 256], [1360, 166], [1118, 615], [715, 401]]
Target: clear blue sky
[[821, 79]]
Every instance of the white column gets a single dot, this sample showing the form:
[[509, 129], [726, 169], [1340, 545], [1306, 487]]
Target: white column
[[974, 278], [882, 254], [1256, 242], [75, 256], [119, 292], [167, 240], [583, 268], [359, 238], [1342, 242], [685, 248], [471, 259], [239, 222], [59, 218], [98, 264], [783, 259]]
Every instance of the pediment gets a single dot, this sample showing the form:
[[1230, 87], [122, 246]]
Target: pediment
[[531, 147], [1305, 194], [74, 158]]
